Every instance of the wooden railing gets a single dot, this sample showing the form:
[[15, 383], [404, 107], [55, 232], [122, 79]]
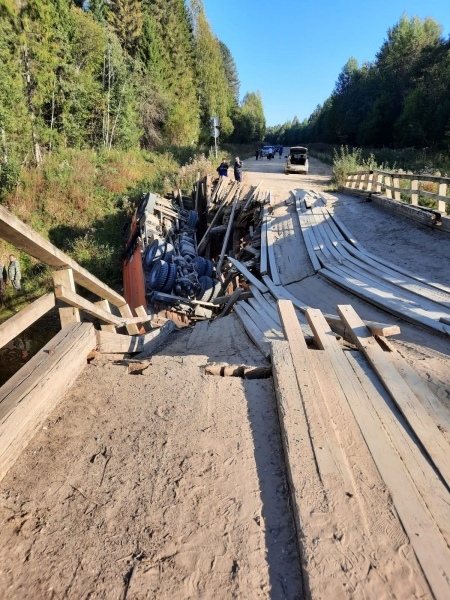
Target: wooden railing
[[416, 187], [67, 274]]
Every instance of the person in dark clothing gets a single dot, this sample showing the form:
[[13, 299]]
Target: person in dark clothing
[[257, 153], [238, 169], [222, 169]]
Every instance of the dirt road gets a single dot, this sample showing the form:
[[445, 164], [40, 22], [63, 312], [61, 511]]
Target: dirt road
[[169, 484], [172, 483], [394, 238]]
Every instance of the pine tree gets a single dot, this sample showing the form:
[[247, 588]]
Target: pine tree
[[216, 95], [126, 19]]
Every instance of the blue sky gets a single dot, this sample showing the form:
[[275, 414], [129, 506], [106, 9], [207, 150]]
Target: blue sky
[[293, 50]]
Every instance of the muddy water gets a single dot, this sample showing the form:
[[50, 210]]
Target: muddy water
[[19, 351]]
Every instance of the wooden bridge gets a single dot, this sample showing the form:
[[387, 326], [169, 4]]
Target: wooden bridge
[[32, 393]]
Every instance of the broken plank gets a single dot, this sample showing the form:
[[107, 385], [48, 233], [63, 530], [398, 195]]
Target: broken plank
[[406, 401], [155, 339], [246, 273], [271, 254], [111, 343], [263, 255], [244, 371], [253, 332]]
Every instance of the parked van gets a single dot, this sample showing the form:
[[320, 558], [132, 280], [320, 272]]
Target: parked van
[[297, 161]]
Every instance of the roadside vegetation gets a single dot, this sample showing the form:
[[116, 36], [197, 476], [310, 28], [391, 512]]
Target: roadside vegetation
[[99, 102], [396, 108]]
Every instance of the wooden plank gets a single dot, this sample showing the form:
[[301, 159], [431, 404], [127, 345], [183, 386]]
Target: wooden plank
[[25, 317], [251, 278], [14, 231], [270, 308], [264, 316], [417, 286], [300, 460], [130, 325], [222, 205], [66, 295], [113, 343], [271, 253], [263, 255], [227, 236], [395, 307], [305, 228], [426, 430], [424, 532], [261, 322], [255, 334], [155, 339], [65, 278], [34, 391], [104, 305]]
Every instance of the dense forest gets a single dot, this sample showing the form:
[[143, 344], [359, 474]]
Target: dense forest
[[109, 74], [401, 99], [100, 101]]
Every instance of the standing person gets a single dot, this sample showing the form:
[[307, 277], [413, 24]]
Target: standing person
[[222, 169], [14, 272], [2, 281], [257, 153], [238, 169]]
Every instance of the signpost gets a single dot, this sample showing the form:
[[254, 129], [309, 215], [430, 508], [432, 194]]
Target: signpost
[[215, 131]]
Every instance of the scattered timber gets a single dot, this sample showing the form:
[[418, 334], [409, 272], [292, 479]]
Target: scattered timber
[[406, 401], [243, 371]]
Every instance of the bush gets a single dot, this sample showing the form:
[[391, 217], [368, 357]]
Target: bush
[[347, 161]]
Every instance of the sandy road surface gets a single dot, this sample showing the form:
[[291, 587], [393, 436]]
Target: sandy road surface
[[164, 485], [171, 484], [418, 248]]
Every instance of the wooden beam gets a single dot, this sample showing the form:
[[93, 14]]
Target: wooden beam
[[66, 295], [23, 237], [104, 305], [227, 236], [67, 315], [127, 315], [271, 253], [155, 339], [374, 417], [244, 371], [253, 332], [116, 343], [251, 278], [24, 318], [406, 401], [263, 255], [34, 391]]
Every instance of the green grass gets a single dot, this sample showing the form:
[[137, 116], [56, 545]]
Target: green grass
[[82, 201]]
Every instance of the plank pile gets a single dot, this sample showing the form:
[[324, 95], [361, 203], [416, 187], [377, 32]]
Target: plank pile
[[368, 473], [338, 257]]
